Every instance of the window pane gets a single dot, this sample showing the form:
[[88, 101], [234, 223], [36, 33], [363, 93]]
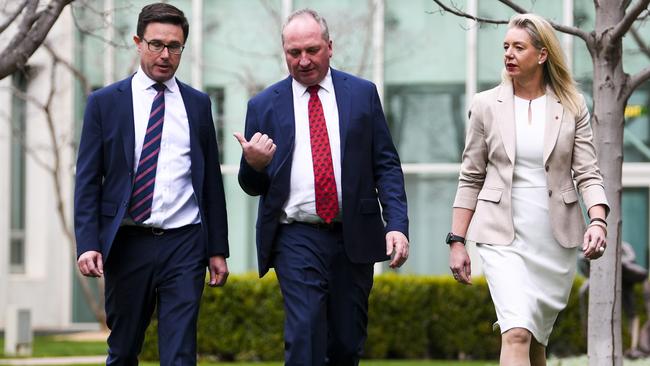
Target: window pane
[[430, 199], [427, 122], [16, 256], [217, 97], [635, 222], [17, 174], [636, 139]]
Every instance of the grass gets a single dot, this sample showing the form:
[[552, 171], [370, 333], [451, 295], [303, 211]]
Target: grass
[[48, 346]]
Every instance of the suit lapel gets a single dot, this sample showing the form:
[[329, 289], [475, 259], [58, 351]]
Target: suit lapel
[[554, 115], [505, 114], [125, 119], [343, 100], [283, 107]]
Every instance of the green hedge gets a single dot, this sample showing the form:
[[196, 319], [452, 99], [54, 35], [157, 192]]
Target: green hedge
[[409, 317]]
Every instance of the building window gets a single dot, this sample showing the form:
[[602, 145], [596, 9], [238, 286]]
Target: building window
[[217, 97], [427, 122], [17, 174]]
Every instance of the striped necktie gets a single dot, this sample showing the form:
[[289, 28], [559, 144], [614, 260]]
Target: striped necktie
[[145, 178]]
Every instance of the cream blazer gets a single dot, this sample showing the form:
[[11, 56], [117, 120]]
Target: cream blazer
[[485, 182]]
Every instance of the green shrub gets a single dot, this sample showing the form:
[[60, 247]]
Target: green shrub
[[409, 317]]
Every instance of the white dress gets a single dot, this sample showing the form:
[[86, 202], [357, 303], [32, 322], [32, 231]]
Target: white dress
[[529, 280]]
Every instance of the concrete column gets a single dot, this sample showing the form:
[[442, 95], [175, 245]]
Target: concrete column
[[196, 39], [18, 332], [378, 45], [567, 39], [109, 60], [471, 37]]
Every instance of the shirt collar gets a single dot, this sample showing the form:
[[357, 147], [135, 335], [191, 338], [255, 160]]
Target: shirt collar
[[326, 84], [144, 82]]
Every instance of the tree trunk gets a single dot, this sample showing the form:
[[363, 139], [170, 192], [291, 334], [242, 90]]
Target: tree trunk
[[604, 324]]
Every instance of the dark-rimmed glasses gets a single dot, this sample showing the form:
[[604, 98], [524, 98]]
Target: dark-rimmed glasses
[[157, 47]]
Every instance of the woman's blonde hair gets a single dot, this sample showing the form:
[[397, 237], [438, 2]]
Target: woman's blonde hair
[[556, 72]]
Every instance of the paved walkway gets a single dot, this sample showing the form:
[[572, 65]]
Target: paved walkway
[[73, 360]]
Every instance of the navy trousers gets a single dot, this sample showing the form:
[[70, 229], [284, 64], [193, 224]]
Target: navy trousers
[[145, 270], [325, 296]]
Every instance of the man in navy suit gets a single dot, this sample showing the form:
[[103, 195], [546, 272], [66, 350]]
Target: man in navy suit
[[150, 211], [318, 152]]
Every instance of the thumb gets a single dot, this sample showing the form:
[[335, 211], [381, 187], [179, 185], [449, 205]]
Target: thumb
[[240, 138], [213, 277], [390, 245], [100, 264]]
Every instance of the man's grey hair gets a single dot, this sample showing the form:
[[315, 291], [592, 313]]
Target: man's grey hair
[[325, 33]]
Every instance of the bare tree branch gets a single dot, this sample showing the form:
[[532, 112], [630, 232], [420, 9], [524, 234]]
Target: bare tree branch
[[456, 11], [85, 84], [636, 80], [559, 27], [643, 47], [628, 19], [31, 33], [13, 16], [91, 32]]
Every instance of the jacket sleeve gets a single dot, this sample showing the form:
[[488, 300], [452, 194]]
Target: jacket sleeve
[[214, 196], [88, 180], [251, 181], [474, 161], [389, 177], [585, 164]]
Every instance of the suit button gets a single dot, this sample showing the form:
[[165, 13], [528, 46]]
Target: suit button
[[546, 168], [125, 203], [550, 193]]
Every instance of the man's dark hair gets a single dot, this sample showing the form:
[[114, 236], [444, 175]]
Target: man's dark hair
[[162, 13]]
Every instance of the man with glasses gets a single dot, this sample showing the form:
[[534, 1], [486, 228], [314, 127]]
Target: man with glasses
[[150, 210]]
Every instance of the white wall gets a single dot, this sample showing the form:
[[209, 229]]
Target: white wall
[[45, 287]]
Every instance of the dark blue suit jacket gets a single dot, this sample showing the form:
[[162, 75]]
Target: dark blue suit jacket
[[105, 164], [371, 172]]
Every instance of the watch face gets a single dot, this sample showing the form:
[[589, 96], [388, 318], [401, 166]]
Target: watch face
[[448, 239]]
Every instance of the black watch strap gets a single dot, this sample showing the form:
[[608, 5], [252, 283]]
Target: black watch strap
[[451, 238]]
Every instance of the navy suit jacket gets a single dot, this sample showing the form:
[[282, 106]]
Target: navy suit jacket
[[105, 163], [371, 172]]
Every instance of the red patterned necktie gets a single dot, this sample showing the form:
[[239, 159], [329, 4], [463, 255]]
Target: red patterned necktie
[[145, 177], [327, 203]]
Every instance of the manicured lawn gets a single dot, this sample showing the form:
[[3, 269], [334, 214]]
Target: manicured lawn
[[48, 346]]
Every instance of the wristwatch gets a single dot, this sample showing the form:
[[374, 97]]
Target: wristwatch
[[451, 237]]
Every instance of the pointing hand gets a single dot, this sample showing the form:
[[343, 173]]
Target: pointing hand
[[259, 151]]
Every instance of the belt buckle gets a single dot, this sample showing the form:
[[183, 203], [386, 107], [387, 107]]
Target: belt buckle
[[157, 231]]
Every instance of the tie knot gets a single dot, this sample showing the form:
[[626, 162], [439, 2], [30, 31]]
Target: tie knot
[[313, 89], [159, 87]]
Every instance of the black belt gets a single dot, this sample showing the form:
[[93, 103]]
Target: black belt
[[150, 230], [322, 226]]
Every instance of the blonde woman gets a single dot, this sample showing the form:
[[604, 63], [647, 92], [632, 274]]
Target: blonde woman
[[528, 154]]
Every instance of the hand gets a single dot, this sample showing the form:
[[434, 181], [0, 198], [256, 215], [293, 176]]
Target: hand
[[259, 151], [397, 246], [90, 264], [218, 271], [460, 264], [595, 242]]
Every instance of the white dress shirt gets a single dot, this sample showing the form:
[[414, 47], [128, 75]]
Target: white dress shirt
[[174, 203], [301, 205]]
